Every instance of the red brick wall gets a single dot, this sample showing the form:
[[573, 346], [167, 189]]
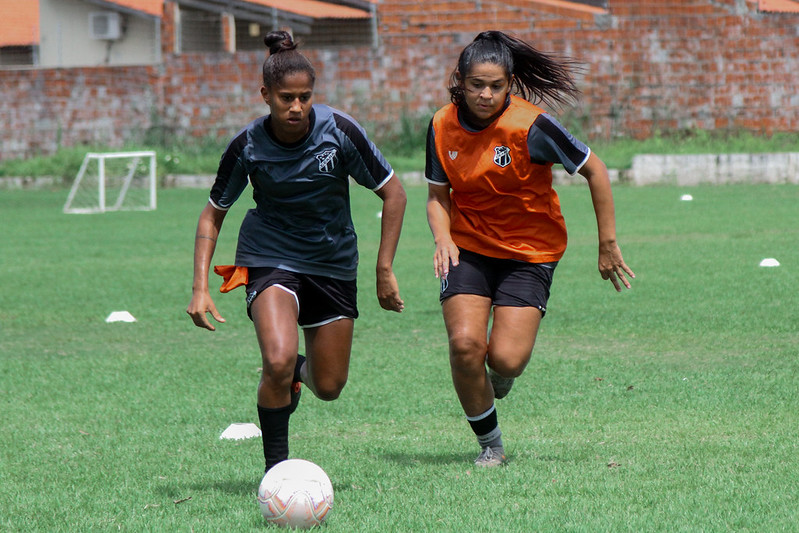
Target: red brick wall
[[649, 65], [41, 110]]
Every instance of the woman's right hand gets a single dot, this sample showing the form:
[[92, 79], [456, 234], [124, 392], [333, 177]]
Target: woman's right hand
[[446, 256], [200, 305]]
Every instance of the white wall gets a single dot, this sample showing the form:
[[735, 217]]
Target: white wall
[[65, 40]]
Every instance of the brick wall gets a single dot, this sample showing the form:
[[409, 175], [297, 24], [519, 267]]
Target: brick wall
[[41, 110], [649, 65]]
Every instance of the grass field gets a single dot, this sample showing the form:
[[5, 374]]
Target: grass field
[[670, 407]]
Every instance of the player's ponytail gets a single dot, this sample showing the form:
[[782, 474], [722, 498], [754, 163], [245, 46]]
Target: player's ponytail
[[277, 41], [284, 58], [537, 77]]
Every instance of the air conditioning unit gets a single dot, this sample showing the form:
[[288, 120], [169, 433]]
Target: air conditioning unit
[[105, 25]]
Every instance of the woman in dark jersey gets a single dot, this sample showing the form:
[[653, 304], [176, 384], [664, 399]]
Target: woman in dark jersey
[[297, 252]]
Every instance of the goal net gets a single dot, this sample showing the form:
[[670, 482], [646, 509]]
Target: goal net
[[114, 181]]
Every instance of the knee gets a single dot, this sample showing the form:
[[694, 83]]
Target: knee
[[466, 350], [508, 368], [279, 366], [329, 390]]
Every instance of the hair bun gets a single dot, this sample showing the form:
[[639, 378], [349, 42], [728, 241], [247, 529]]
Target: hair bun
[[277, 41]]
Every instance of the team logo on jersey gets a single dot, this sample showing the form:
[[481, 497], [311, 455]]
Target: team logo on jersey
[[502, 156], [453, 155], [327, 160]]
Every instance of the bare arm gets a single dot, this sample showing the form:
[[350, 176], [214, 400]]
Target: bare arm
[[208, 227], [394, 200], [611, 264], [438, 218]]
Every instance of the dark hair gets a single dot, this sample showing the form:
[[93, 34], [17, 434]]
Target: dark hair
[[537, 77], [284, 59]]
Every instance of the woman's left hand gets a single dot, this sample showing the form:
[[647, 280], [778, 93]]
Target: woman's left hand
[[388, 291], [613, 267]]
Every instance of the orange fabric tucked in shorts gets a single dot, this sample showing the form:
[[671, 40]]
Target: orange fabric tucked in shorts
[[234, 276]]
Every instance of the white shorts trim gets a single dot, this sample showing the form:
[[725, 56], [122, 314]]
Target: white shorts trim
[[322, 323], [291, 292]]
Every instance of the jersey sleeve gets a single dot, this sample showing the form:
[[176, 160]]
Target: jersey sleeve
[[367, 166], [433, 171], [548, 141], [231, 176]]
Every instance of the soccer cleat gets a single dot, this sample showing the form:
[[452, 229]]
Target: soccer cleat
[[298, 367], [296, 383], [501, 385], [296, 392], [491, 456]]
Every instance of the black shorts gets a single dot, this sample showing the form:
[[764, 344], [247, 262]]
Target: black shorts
[[506, 281], [320, 300]]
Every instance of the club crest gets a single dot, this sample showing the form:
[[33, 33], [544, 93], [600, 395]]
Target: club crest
[[502, 156], [327, 160], [453, 155]]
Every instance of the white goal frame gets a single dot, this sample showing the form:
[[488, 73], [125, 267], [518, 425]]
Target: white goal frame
[[117, 205]]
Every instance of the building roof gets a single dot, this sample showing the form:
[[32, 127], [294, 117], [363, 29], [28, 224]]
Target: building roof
[[314, 9], [778, 6], [19, 20], [19, 23], [577, 6], [151, 7]]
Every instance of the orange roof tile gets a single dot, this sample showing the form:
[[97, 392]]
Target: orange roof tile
[[573, 5], [19, 23], [315, 9], [778, 6], [151, 7]]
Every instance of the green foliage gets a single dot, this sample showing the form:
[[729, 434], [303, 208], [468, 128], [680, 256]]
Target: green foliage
[[201, 158], [411, 137], [63, 165], [670, 407], [405, 150]]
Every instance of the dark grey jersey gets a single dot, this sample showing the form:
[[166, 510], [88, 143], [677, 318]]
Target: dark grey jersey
[[302, 220]]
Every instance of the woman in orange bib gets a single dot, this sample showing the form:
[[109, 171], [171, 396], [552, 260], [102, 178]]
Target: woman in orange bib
[[496, 220]]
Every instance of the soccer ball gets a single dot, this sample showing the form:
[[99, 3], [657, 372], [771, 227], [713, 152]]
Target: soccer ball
[[295, 493]]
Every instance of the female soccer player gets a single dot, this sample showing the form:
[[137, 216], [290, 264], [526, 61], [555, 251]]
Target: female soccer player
[[297, 251], [496, 220]]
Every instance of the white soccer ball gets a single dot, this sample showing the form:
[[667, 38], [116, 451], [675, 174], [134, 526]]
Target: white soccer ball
[[295, 493]]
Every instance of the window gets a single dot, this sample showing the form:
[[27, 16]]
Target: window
[[18, 55], [200, 31]]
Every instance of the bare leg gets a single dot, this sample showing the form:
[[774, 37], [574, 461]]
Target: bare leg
[[328, 349], [466, 318], [274, 313], [512, 338]]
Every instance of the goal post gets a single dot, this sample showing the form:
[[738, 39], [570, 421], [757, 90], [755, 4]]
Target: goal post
[[114, 181]]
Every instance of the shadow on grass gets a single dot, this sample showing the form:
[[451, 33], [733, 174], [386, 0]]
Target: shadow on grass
[[230, 486], [410, 459], [247, 487]]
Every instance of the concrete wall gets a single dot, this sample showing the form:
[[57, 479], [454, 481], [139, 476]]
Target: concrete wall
[[649, 66], [715, 169], [65, 42]]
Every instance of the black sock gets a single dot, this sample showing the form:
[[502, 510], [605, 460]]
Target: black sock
[[300, 361], [486, 428], [275, 434]]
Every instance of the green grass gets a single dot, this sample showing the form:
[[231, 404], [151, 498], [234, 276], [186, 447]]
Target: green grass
[[670, 407]]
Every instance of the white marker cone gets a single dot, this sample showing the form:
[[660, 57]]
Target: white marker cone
[[120, 316]]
